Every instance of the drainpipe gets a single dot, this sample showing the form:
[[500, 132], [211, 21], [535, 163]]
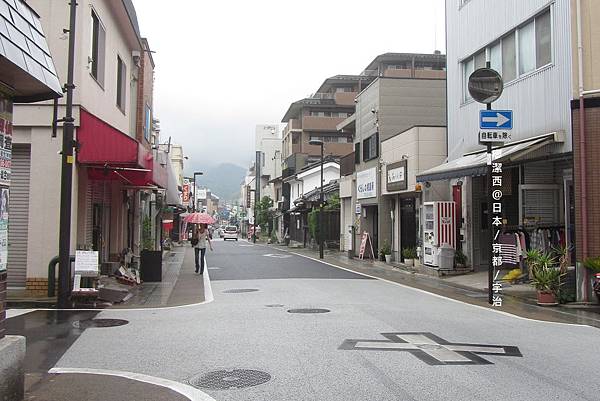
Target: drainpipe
[[582, 151]]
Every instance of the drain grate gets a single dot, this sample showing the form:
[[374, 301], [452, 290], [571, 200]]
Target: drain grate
[[239, 290], [230, 379], [101, 323], [309, 310]]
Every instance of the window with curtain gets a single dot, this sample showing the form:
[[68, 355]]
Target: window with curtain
[[543, 39], [468, 68], [509, 58], [121, 83], [527, 48], [98, 49], [496, 57]]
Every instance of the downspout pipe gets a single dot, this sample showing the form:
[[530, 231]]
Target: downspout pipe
[[582, 152]]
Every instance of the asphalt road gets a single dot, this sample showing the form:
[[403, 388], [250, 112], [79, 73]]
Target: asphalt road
[[375, 341]]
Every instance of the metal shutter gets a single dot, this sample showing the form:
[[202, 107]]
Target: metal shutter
[[18, 216], [541, 204]]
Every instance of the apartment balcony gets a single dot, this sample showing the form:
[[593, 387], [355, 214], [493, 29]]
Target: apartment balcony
[[330, 148], [398, 73], [347, 164], [293, 124], [313, 123], [345, 98], [430, 74]]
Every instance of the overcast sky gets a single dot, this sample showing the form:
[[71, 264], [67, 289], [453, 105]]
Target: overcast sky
[[224, 66]]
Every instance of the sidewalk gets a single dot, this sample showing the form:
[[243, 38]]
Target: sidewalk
[[519, 300], [179, 286]]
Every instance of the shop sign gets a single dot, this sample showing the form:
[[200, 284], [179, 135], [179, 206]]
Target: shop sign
[[496, 188], [202, 194], [357, 208], [5, 168], [366, 184], [397, 176], [186, 192], [86, 262]]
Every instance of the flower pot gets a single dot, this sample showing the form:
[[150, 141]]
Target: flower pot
[[409, 262], [546, 298], [388, 259]]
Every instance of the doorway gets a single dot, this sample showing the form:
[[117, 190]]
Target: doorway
[[408, 224]]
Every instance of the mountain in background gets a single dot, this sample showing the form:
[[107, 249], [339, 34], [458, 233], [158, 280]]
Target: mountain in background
[[224, 180]]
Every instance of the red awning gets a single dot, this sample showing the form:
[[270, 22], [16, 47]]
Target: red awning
[[109, 154], [103, 144]]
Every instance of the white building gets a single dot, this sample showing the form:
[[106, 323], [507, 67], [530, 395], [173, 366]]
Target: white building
[[529, 44], [268, 142]]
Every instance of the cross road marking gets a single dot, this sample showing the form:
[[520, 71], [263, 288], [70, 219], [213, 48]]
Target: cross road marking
[[432, 349], [277, 255]]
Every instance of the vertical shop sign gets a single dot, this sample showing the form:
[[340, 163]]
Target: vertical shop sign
[[186, 192], [5, 168], [496, 188]]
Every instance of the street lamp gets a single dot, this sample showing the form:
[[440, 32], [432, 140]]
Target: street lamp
[[196, 188], [317, 142]]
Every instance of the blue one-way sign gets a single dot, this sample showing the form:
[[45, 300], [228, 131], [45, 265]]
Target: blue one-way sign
[[496, 119]]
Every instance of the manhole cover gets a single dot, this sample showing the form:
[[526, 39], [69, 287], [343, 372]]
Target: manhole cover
[[239, 290], [89, 323], [307, 310], [230, 379]]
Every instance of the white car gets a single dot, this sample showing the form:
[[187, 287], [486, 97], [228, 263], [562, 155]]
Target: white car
[[231, 232]]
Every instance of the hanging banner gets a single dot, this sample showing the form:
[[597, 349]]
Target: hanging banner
[[496, 229], [186, 192], [5, 170]]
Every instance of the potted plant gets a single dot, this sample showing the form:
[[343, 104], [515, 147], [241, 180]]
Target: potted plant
[[386, 251], [460, 259], [409, 255], [545, 277], [593, 265]]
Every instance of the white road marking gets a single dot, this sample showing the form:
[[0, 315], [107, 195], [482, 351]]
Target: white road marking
[[433, 294], [277, 255], [18, 312], [188, 391]]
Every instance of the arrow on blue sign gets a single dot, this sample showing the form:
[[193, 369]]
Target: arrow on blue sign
[[496, 119]]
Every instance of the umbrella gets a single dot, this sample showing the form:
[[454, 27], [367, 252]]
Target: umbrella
[[199, 218]]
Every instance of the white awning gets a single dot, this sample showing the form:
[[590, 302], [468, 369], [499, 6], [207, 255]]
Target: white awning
[[475, 164]]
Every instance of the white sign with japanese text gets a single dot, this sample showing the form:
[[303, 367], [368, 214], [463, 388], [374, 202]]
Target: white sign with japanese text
[[366, 183]]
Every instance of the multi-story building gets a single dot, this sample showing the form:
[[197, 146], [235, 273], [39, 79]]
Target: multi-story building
[[585, 115], [533, 46], [408, 90], [268, 143], [117, 174], [317, 117]]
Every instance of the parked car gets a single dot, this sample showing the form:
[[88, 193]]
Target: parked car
[[231, 232]]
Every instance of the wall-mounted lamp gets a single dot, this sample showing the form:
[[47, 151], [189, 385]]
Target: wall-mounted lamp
[[404, 157], [427, 184], [459, 183]]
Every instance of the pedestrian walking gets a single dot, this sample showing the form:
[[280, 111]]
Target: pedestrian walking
[[200, 240]]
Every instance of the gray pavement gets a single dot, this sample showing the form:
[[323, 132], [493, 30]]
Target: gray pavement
[[379, 341]]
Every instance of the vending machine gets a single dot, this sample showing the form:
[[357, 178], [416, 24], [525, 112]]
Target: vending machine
[[439, 233]]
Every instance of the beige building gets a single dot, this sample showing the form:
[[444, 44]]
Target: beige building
[[114, 74], [408, 90]]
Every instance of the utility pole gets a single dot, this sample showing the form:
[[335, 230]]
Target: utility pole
[[318, 142], [66, 184], [256, 191]]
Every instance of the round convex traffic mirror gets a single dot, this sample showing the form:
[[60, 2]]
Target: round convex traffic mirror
[[485, 85]]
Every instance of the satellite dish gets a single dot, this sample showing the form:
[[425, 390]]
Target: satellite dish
[[485, 85]]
